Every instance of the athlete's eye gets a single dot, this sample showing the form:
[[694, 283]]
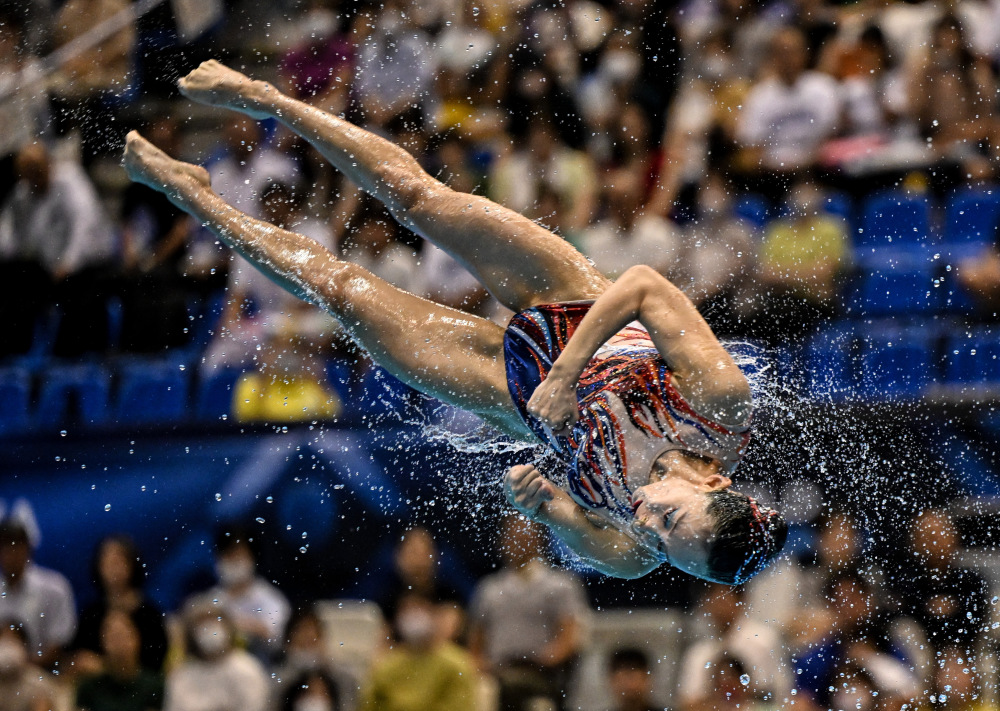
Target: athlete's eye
[[667, 516]]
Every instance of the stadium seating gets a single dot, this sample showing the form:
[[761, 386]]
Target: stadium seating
[[69, 392], [15, 399], [970, 221], [151, 393]]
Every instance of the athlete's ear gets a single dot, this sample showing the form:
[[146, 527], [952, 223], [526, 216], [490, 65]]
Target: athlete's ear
[[718, 481]]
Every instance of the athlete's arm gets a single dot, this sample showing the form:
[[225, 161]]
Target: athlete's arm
[[600, 545], [703, 370]]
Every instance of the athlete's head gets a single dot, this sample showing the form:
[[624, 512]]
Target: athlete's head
[[746, 536], [706, 530]]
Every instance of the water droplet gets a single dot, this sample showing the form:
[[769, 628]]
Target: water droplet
[[260, 519], [62, 433], [218, 496], [745, 679], [107, 507]]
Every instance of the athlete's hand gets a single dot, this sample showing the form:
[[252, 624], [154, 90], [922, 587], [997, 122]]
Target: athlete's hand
[[526, 489], [554, 403]]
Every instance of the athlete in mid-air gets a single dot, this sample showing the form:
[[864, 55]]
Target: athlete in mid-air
[[645, 411]]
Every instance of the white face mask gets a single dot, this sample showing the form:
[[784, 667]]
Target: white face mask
[[13, 657], [312, 703], [234, 572], [212, 638], [415, 626], [621, 65]]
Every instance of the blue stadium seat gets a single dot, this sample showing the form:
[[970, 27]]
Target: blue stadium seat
[[973, 358], [840, 205], [15, 399], [151, 393], [971, 218], [896, 290], [753, 209], [89, 386], [895, 363], [895, 219], [215, 394]]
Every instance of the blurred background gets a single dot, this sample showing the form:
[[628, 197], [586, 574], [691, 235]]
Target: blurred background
[[212, 500]]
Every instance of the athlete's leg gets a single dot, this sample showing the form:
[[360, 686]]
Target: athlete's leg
[[520, 262], [442, 352]]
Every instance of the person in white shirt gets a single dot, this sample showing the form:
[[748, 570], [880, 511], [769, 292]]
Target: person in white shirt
[[258, 610], [39, 598], [788, 115], [729, 631], [216, 675]]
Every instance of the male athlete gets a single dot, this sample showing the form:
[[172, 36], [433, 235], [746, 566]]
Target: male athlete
[[644, 409]]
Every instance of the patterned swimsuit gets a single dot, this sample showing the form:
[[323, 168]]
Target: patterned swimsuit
[[630, 410]]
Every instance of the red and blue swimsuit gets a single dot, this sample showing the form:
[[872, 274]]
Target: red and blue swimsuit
[[630, 410]]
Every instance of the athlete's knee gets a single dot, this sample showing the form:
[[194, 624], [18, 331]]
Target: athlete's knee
[[406, 183]]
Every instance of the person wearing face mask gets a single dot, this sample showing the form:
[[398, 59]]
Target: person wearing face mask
[[422, 671], [312, 691], [306, 655], [23, 686], [258, 609], [216, 675]]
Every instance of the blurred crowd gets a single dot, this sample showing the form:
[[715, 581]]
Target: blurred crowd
[[634, 129], [826, 628]]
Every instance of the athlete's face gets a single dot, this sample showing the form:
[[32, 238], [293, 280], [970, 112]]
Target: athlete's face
[[671, 516]]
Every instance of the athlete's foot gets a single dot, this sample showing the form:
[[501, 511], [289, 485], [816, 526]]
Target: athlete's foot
[[215, 84], [147, 164]]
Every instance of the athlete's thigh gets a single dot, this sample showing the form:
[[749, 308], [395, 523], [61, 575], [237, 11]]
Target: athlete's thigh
[[521, 263], [443, 352]]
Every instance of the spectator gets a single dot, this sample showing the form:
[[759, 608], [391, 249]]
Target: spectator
[[312, 691], [626, 235], [23, 109], [154, 235], [948, 600], [630, 681], [259, 311], [517, 175], [951, 92], [416, 571], [216, 675], [957, 684], [120, 576], [801, 260], [306, 657], [52, 231], [87, 87], [39, 598], [729, 688], [123, 685], [422, 671], [23, 685], [788, 115], [395, 71], [255, 609], [526, 622], [727, 631], [716, 260], [855, 636], [792, 595]]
